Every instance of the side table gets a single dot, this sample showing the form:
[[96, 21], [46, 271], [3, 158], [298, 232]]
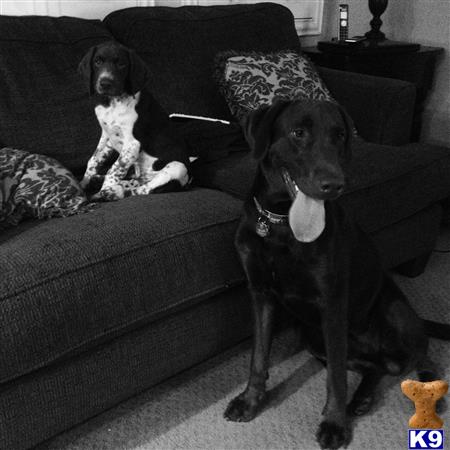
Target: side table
[[395, 60]]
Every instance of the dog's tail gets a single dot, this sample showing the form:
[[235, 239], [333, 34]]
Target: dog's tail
[[437, 330]]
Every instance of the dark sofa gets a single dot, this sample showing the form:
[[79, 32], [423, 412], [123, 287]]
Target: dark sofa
[[97, 307]]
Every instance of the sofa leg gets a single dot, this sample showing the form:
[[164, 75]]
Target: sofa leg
[[414, 267]]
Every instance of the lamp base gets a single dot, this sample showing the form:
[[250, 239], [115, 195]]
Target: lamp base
[[374, 35], [377, 8]]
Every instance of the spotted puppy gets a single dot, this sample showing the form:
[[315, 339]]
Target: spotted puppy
[[136, 132]]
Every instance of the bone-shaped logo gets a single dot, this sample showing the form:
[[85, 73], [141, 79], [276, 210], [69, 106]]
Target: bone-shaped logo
[[425, 395]]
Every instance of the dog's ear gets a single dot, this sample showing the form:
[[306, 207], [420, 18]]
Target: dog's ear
[[85, 67], [249, 124], [138, 73], [258, 126], [349, 131]]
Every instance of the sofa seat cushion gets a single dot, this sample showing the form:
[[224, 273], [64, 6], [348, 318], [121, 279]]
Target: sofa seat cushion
[[386, 184], [68, 284], [45, 105], [179, 46]]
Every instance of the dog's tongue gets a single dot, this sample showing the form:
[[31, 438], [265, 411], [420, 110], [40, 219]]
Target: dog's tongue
[[306, 218]]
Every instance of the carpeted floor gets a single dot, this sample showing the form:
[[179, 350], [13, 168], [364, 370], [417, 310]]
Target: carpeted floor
[[186, 411]]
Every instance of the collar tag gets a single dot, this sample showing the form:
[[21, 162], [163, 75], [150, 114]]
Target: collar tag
[[265, 218], [262, 227]]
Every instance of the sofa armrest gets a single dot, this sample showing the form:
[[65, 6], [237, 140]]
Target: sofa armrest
[[382, 108]]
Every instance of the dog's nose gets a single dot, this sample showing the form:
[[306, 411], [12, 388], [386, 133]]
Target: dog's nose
[[105, 83], [334, 187]]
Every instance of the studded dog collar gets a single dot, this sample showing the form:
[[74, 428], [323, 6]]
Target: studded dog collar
[[266, 218]]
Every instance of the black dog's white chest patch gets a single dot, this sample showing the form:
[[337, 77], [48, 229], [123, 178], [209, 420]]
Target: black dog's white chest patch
[[118, 118]]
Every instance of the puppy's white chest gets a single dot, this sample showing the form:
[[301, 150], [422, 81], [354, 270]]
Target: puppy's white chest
[[118, 118]]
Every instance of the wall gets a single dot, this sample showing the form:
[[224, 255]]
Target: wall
[[426, 22], [88, 9]]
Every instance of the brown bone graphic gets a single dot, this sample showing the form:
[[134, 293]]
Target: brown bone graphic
[[425, 396]]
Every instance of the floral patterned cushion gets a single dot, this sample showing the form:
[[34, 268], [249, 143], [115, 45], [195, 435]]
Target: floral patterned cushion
[[250, 80], [36, 186]]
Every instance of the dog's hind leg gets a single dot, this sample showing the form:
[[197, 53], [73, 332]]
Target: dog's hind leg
[[174, 173], [364, 396]]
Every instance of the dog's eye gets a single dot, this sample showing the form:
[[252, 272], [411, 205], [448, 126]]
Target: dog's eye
[[98, 61], [121, 65], [298, 133]]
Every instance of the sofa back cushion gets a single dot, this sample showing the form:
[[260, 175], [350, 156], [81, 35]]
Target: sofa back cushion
[[180, 44], [44, 106]]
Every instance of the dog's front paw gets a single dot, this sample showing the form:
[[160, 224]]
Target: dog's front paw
[[111, 193], [332, 435], [244, 407]]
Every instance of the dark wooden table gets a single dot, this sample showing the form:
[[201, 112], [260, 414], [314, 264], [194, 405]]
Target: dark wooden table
[[391, 61]]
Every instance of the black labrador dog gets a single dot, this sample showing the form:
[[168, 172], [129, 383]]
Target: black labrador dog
[[136, 131], [298, 248]]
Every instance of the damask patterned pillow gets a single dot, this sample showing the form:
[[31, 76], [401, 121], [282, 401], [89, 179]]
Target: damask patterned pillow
[[36, 186], [250, 80]]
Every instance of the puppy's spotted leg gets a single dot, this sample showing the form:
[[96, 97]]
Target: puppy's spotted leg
[[101, 154], [112, 188], [174, 171]]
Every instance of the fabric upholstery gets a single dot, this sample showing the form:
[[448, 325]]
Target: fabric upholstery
[[233, 174], [381, 108], [179, 46], [388, 184], [409, 238], [68, 284], [210, 141], [62, 395], [250, 80], [44, 105], [36, 186]]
